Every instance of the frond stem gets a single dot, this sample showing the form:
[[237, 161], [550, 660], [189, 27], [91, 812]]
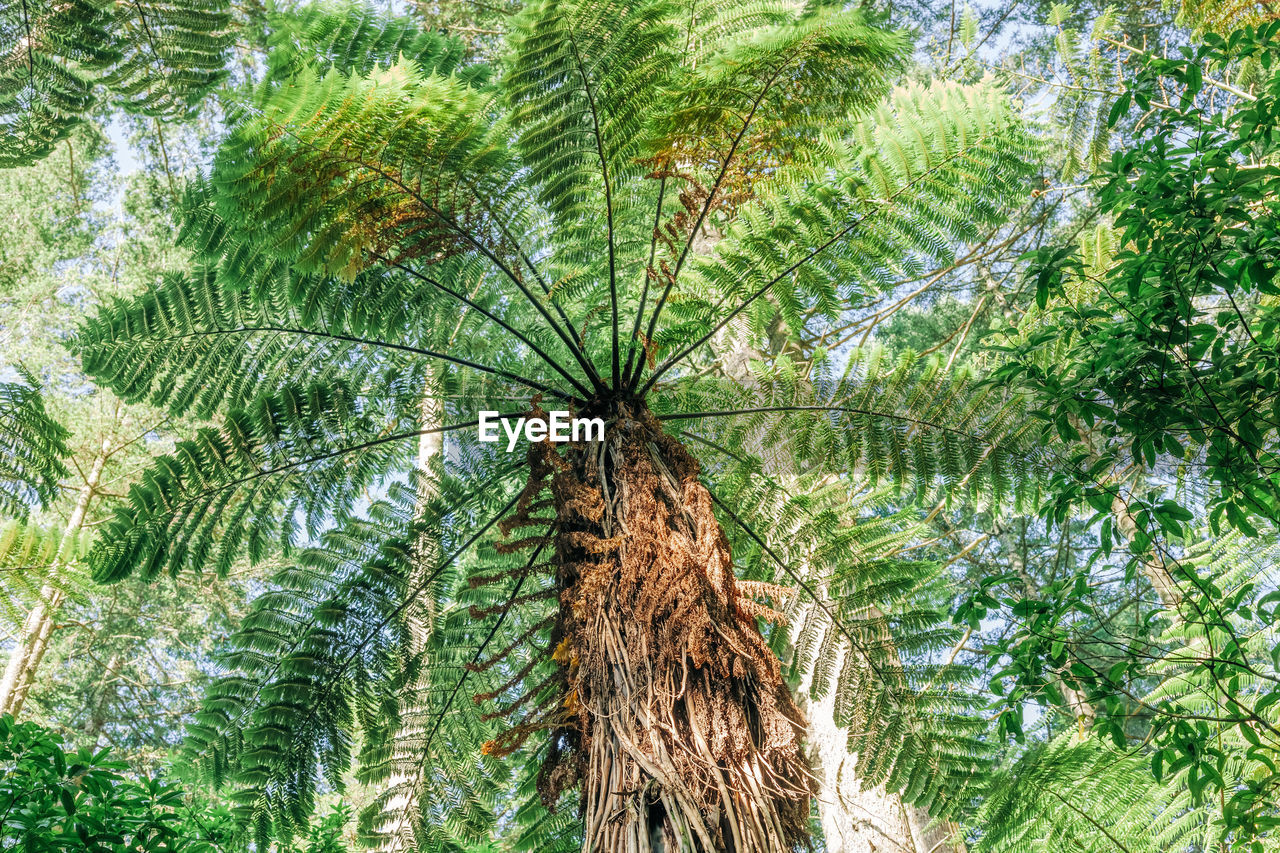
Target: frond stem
[[706, 206], [839, 235], [462, 679], [288, 330], [608, 201], [820, 603], [644, 292], [552, 363]]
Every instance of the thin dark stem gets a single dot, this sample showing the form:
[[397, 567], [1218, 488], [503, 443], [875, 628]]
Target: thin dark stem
[[608, 202], [484, 368], [737, 457], [763, 289], [474, 242], [706, 208], [644, 292], [31, 61], [818, 602], [552, 363], [462, 679]]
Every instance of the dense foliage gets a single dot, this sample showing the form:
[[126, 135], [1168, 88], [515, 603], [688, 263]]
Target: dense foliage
[[55, 800]]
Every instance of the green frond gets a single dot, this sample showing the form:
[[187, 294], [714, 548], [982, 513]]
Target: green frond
[[32, 449], [583, 79], [899, 199], [788, 85], [281, 465], [54, 53], [905, 426], [355, 38], [1071, 794], [157, 59], [171, 54], [320, 664], [191, 345], [1081, 109], [33, 558], [393, 147]]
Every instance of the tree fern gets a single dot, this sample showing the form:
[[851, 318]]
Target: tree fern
[[524, 240]]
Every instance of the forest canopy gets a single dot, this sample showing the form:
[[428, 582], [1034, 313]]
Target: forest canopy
[[640, 427]]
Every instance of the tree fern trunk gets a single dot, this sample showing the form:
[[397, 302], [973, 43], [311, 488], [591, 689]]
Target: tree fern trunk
[[20, 671], [674, 718]]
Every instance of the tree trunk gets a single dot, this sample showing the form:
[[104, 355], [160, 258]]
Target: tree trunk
[[1153, 565], [33, 641], [398, 814], [856, 819], [671, 714], [853, 819]]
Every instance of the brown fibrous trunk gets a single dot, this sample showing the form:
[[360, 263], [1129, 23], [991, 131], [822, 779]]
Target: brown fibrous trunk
[[674, 722]]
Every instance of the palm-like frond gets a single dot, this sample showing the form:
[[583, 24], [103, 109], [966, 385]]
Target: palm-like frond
[[171, 54], [322, 655], [1073, 794], [52, 54], [355, 38], [894, 198], [32, 449], [909, 426], [157, 59], [33, 558]]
